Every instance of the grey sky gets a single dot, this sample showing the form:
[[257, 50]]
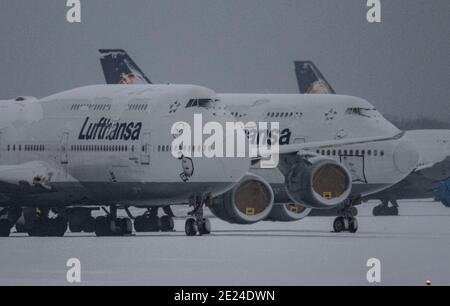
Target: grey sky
[[401, 66]]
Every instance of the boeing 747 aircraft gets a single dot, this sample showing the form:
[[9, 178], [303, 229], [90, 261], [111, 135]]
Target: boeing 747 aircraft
[[305, 120], [433, 145]]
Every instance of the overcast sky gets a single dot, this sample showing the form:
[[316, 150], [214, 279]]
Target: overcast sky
[[402, 66]]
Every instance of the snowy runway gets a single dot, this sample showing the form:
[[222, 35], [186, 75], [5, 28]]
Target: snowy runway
[[413, 248]]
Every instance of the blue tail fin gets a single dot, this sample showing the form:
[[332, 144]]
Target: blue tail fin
[[310, 80], [119, 68]]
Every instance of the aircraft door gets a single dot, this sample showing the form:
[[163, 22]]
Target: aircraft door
[[145, 149], [65, 148], [356, 166]]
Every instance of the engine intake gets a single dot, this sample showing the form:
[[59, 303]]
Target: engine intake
[[248, 202], [319, 183]]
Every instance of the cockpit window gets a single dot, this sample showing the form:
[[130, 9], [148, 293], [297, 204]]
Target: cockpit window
[[364, 112], [203, 103]]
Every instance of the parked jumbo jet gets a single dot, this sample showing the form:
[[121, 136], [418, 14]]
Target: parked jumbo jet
[[111, 146], [308, 120], [433, 146]]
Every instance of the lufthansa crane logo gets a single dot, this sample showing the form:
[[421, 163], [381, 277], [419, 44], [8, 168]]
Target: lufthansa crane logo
[[188, 168]]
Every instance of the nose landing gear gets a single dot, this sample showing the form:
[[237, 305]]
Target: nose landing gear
[[197, 223]]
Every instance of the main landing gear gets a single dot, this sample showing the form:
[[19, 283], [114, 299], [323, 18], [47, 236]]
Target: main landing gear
[[81, 220], [8, 217], [346, 221], [197, 223], [385, 210], [111, 225], [150, 222], [44, 226]]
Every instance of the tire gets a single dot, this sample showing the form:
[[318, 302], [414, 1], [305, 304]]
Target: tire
[[376, 211], [167, 224], [139, 224], [191, 228], [39, 228], [394, 211], [353, 226], [75, 227], [152, 224], [57, 227], [339, 225], [5, 228], [89, 225], [102, 227], [354, 211], [125, 226], [205, 227]]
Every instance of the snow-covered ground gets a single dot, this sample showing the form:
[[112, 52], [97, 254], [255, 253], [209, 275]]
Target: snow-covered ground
[[413, 248]]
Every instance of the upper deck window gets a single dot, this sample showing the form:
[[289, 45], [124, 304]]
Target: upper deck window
[[203, 103]]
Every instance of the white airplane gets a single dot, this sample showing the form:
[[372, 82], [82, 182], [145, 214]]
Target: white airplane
[[111, 146], [309, 121], [433, 147], [108, 145]]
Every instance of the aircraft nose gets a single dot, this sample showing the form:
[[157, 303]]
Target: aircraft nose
[[406, 157]]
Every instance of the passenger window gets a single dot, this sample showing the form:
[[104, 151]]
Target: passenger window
[[382, 153], [375, 153], [369, 152]]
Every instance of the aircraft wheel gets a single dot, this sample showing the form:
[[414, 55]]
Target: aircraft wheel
[[75, 227], [191, 227], [167, 224], [139, 224], [5, 228], [124, 227], [102, 227], [354, 211], [353, 225], [377, 211], [339, 225], [39, 228], [153, 224], [205, 227], [394, 211], [89, 225], [56, 227]]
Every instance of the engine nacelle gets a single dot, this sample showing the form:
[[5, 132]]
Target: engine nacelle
[[318, 183], [248, 202], [288, 213]]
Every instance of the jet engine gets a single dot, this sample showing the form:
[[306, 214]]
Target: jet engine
[[288, 213], [318, 183], [248, 202]]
